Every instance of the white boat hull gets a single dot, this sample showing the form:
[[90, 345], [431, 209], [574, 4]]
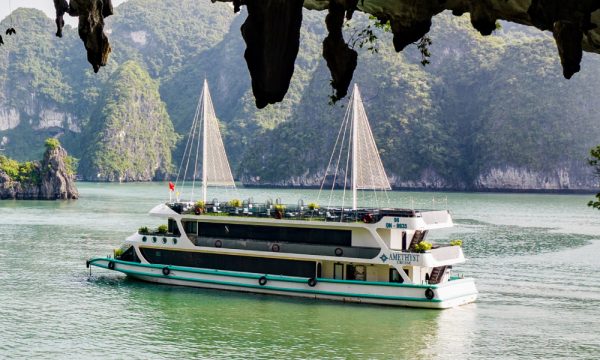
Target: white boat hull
[[447, 295]]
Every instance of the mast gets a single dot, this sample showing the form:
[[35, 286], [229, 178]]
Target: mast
[[204, 140], [354, 146]]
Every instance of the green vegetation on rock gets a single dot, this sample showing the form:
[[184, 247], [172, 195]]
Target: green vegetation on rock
[[132, 138]]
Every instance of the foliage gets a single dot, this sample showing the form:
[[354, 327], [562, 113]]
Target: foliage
[[313, 206], [200, 204], [368, 35], [117, 252], [235, 203], [132, 137], [594, 161], [422, 246], [25, 172], [456, 242], [162, 229], [423, 45], [279, 207], [71, 164], [52, 143], [143, 230]]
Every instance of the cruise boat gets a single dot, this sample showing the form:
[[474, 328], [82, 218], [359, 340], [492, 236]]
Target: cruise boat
[[375, 255]]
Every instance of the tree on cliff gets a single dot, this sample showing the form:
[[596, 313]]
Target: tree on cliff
[[595, 163]]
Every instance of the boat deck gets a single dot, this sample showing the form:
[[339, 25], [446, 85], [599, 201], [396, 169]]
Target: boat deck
[[292, 212]]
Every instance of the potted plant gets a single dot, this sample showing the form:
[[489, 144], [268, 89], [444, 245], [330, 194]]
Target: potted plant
[[422, 247], [199, 207], [279, 209], [456, 242], [143, 230], [162, 229]]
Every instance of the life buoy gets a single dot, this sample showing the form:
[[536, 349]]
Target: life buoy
[[275, 248], [339, 252], [197, 211], [218, 243], [312, 282], [166, 271], [429, 294], [111, 265], [262, 281], [367, 218]]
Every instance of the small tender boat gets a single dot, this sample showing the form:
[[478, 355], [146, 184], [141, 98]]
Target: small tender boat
[[374, 255]]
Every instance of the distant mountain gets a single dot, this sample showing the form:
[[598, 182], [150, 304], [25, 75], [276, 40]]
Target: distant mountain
[[486, 113]]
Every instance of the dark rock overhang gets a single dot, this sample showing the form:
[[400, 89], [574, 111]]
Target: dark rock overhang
[[272, 31]]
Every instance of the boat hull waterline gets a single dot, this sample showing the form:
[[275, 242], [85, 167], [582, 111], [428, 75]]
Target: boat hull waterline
[[447, 295]]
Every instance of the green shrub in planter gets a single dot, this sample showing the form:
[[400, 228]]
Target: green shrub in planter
[[279, 207], [423, 246], [118, 252], [456, 242], [162, 229], [200, 205], [313, 206], [143, 230], [235, 203]]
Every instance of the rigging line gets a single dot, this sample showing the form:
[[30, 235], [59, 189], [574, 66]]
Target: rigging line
[[192, 130], [371, 150], [196, 118], [345, 124], [197, 151], [350, 145], [224, 169], [331, 157]]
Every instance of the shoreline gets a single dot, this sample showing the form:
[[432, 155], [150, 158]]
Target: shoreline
[[415, 189]]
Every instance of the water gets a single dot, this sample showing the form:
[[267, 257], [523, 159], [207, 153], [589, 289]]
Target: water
[[535, 258]]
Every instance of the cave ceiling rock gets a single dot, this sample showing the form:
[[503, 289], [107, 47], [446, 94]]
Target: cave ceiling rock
[[272, 35], [572, 23], [91, 15]]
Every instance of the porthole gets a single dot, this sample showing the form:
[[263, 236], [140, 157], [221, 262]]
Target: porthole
[[164, 240], [144, 239], [174, 241], [154, 239]]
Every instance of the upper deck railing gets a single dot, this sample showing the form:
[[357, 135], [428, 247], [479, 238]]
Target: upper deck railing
[[290, 211]]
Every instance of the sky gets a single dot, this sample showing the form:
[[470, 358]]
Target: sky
[[46, 6]]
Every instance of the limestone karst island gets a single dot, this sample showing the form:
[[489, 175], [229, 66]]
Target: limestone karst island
[[381, 179]]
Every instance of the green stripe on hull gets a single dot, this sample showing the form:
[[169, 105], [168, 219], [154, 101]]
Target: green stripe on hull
[[266, 287], [256, 276]]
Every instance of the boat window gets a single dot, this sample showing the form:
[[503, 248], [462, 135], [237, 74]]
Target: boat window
[[277, 234], [404, 245], [190, 227], [338, 271], [173, 229], [350, 272], [395, 276], [251, 264], [360, 273]]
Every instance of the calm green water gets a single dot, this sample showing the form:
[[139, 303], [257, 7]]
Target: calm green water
[[536, 259]]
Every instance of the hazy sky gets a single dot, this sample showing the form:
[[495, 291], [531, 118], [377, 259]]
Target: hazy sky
[[46, 6]]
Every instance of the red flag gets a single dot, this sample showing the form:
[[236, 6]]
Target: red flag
[[171, 186]]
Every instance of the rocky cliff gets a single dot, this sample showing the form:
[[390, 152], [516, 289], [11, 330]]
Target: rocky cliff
[[132, 136], [50, 179]]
